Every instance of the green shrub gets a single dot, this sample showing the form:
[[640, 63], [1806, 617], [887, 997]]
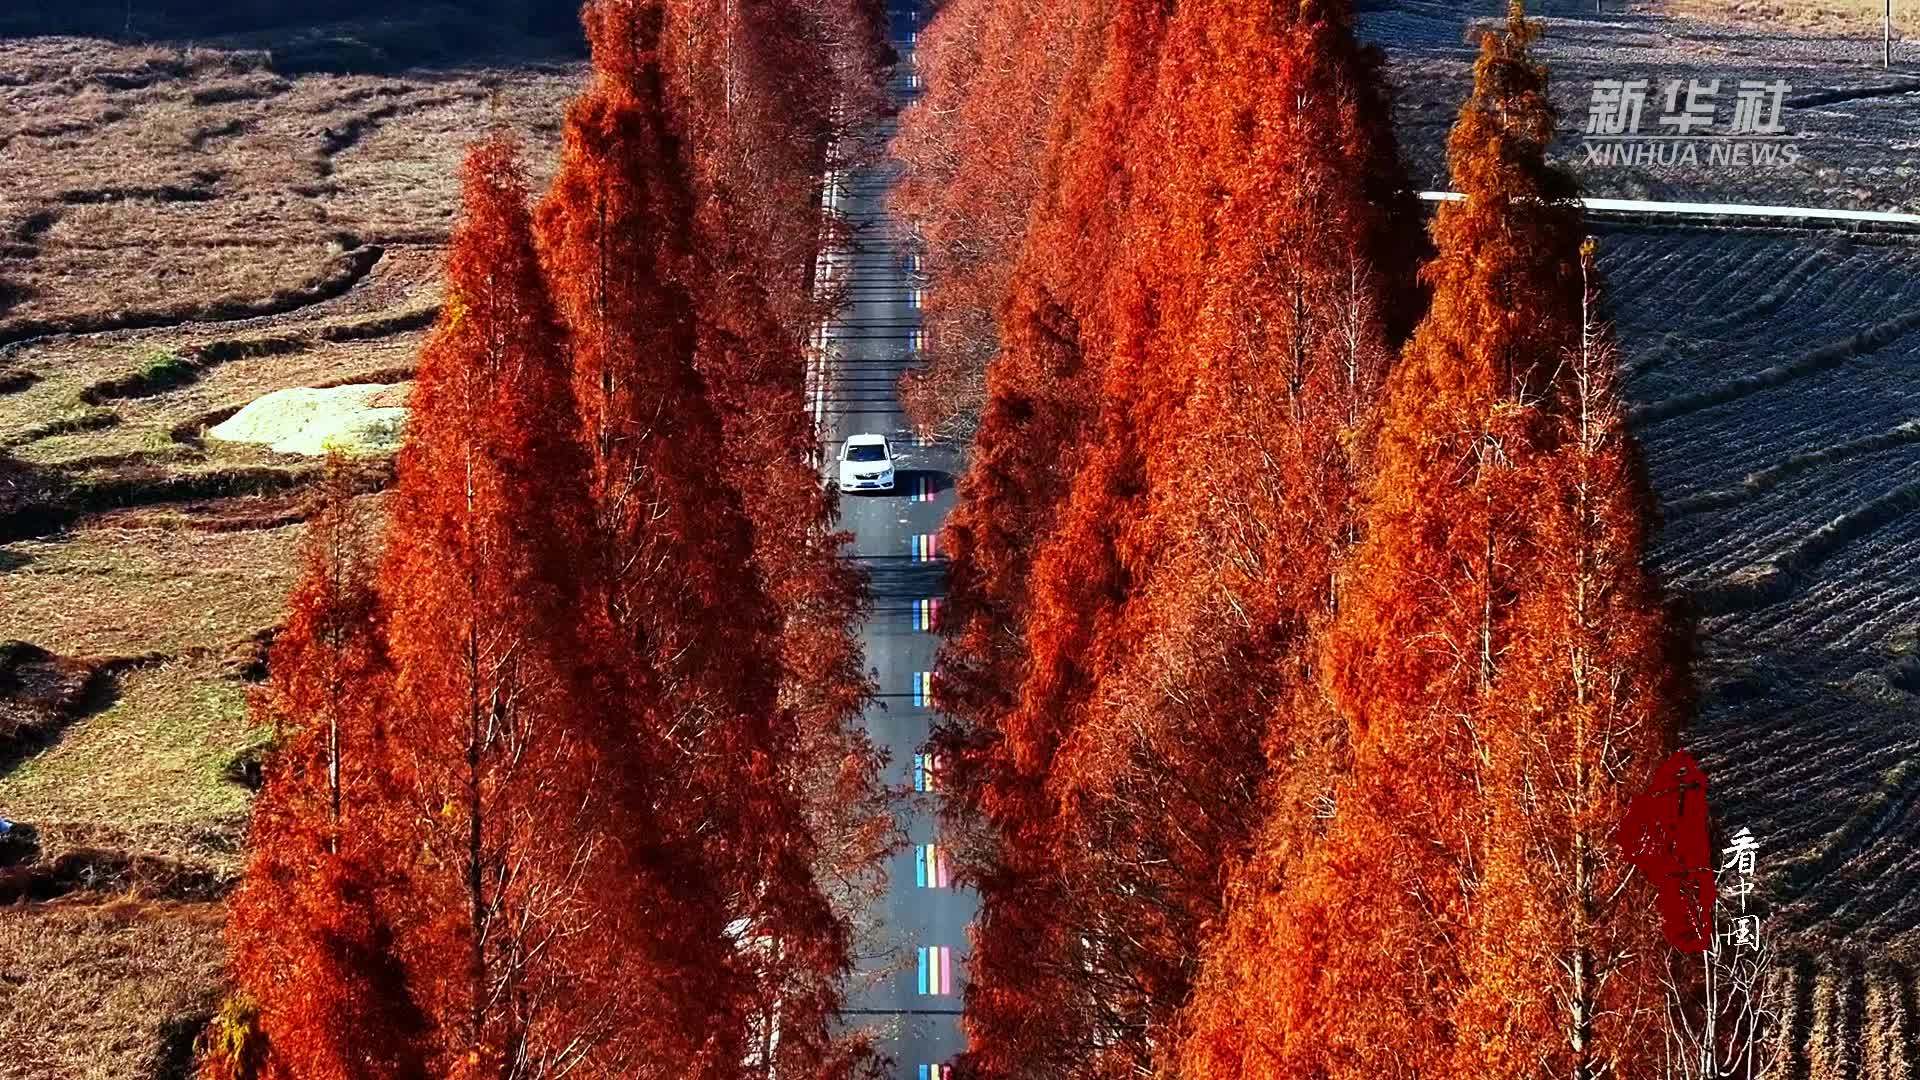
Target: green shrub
[[163, 367]]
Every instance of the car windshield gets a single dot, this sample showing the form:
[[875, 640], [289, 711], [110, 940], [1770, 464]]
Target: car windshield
[[867, 452]]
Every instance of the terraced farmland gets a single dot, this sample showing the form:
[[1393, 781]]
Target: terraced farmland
[[182, 231], [1777, 376]]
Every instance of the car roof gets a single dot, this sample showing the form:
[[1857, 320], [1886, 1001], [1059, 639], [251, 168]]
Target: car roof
[[866, 440]]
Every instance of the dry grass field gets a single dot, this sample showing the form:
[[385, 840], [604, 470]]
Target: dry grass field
[[183, 228], [96, 967], [1831, 16]]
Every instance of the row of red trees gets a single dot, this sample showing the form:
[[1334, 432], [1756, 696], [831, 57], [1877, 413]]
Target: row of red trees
[[572, 781], [1300, 653]]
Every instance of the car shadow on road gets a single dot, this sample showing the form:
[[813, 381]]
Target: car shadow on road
[[922, 482], [907, 483]]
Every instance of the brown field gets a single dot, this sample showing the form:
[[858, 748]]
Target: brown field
[[182, 230], [106, 991], [1835, 16], [1780, 429]]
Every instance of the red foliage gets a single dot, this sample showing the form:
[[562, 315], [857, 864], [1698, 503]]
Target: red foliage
[[621, 767], [1564, 959], [981, 150], [764, 92], [1504, 675], [1028, 1009], [767, 91], [683, 614], [532, 930], [1042, 390], [1251, 320], [309, 942], [675, 232], [1191, 348]]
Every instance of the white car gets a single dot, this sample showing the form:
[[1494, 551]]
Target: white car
[[866, 464]]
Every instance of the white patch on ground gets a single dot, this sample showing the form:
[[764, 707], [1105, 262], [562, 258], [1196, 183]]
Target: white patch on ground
[[368, 418]]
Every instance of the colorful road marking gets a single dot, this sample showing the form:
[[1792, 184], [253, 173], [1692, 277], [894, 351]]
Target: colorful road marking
[[926, 547], [930, 869], [922, 689], [936, 970], [926, 772], [926, 614], [917, 340], [923, 488], [936, 1072]]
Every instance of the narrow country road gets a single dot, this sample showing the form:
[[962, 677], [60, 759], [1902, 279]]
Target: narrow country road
[[916, 1004]]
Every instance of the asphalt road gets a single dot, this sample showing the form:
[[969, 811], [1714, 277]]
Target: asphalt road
[[914, 996]]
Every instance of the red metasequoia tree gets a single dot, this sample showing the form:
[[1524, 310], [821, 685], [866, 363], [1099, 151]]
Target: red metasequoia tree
[[1166, 610], [1115, 655], [767, 92], [309, 941], [1565, 970], [977, 151], [723, 595], [1026, 1008], [685, 619], [1035, 392], [1041, 405], [629, 807], [532, 925], [1506, 676]]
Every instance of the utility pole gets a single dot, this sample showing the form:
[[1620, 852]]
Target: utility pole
[[1886, 39]]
